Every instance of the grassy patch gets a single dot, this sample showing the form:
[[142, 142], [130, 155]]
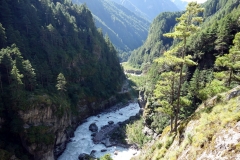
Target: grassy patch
[[135, 134], [127, 66], [137, 81]]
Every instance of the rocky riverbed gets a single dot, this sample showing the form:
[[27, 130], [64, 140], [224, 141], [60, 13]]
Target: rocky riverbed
[[93, 137]]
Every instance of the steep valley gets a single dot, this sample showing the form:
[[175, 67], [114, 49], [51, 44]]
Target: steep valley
[[57, 69]]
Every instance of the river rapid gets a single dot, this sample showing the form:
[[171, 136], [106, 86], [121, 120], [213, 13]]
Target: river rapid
[[82, 140]]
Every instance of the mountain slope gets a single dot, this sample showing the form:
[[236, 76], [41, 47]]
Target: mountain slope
[[148, 9], [56, 69], [201, 130], [126, 30], [212, 132], [180, 4], [155, 44]]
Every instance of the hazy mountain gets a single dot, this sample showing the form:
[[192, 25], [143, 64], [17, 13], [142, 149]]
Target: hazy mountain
[[148, 9], [180, 4], [126, 30]]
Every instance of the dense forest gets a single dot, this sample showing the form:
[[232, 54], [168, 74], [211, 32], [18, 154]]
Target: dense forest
[[155, 44], [52, 57]]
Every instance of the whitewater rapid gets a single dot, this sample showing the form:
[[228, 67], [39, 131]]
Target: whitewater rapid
[[82, 140]]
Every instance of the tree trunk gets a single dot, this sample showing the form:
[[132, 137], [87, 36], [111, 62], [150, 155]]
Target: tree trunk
[[179, 87], [1, 83], [178, 99], [230, 77], [172, 99]]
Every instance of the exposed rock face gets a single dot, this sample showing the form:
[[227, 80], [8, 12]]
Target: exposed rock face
[[44, 116], [142, 100], [57, 128], [226, 141]]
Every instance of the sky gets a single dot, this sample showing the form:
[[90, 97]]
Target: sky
[[199, 1]]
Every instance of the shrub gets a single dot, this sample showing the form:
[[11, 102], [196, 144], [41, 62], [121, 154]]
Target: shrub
[[106, 157]]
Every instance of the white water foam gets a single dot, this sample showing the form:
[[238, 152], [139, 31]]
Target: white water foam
[[82, 141]]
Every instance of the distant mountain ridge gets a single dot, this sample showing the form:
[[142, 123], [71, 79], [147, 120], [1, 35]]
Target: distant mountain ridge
[[149, 9], [180, 4], [126, 30]]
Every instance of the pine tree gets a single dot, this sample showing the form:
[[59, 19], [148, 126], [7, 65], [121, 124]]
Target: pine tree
[[61, 83], [29, 75], [185, 27], [231, 61], [165, 94], [3, 37], [16, 76]]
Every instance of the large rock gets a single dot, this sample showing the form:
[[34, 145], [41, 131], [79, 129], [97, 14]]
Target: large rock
[[104, 132], [93, 127], [142, 100], [85, 156], [110, 122]]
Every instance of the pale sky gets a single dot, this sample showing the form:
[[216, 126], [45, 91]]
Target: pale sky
[[199, 1]]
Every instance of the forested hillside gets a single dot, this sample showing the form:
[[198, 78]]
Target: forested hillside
[[200, 60], [55, 66], [126, 30], [148, 9], [156, 43]]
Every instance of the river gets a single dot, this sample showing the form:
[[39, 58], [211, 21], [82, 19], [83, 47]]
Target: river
[[82, 140]]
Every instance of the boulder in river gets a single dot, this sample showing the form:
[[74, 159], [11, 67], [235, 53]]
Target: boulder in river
[[92, 153], [103, 150], [110, 122], [85, 156], [93, 134], [93, 127]]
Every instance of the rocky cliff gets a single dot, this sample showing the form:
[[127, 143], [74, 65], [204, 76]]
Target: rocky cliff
[[46, 133]]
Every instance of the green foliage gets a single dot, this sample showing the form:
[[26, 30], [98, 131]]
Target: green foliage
[[215, 38], [106, 157], [126, 30], [169, 142], [61, 82], [40, 135], [155, 44], [159, 121], [135, 135], [5, 155], [39, 40], [176, 57], [165, 93], [212, 89], [229, 61]]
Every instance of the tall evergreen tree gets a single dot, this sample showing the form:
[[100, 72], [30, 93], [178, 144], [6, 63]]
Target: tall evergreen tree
[[231, 61], [187, 25], [61, 83]]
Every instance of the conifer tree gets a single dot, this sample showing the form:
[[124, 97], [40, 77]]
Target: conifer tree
[[16, 76], [61, 83], [29, 74], [231, 61], [187, 25], [165, 94]]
